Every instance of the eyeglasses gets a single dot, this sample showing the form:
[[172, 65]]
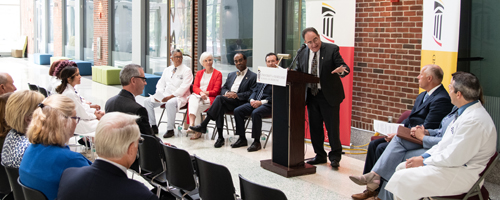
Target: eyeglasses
[[141, 139], [143, 78], [76, 118], [178, 57], [315, 40]]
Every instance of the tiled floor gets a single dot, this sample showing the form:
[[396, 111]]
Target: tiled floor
[[325, 184]]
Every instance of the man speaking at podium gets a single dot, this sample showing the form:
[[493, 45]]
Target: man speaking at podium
[[323, 99]]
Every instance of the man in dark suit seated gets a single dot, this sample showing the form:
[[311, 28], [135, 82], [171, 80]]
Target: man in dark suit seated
[[117, 138], [260, 106], [235, 92], [133, 82], [429, 109]]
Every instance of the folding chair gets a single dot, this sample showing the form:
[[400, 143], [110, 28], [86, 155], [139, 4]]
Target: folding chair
[[254, 191], [477, 191], [33, 87], [43, 91], [181, 179], [263, 121], [152, 165], [215, 182], [182, 110], [30, 193], [13, 174]]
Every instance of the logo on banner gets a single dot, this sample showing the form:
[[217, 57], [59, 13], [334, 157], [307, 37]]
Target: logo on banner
[[438, 21], [328, 20]]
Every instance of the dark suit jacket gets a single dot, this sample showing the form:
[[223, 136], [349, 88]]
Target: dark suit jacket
[[247, 85], [267, 94], [432, 111], [101, 180], [125, 102], [329, 60]]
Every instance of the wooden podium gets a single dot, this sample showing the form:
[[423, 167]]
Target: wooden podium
[[288, 127]]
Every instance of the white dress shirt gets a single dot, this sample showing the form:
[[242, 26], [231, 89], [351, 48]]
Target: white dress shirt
[[237, 81]]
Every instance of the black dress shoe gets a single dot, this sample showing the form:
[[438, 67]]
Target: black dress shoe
[[219, 142], [82, 142], [316, 161], [169, 133], [198, 128], [154, 128], [335, 164], [255, 146], [239, 143]]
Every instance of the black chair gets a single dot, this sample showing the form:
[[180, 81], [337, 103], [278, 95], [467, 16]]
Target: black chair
[[151, 161], [30, 193], [4, 182], [43, 91], [33, 87], [180, 173], [13, 174], [215, 181], [253, 191]]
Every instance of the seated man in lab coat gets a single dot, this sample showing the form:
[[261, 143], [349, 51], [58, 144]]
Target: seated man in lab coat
[[453, 165], [172, 90]]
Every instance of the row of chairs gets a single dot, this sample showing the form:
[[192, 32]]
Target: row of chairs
[[190, 177], [39, 89], [20, 191]]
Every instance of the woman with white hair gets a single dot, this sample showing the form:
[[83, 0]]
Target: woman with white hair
[[206, 87], [52, 125]]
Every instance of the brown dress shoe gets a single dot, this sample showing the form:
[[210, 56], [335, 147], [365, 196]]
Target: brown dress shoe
[[373, 198], [169, 133], [364, 195]]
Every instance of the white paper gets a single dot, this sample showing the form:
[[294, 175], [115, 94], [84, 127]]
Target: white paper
[[156, 96], [272, 76], [385, 128]]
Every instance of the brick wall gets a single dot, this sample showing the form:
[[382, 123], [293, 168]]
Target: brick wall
[[27, 25], [101, 30], [58, 32], [386, 59]]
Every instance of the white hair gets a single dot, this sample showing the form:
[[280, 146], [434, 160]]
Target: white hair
[[204, 56], [114, 134]]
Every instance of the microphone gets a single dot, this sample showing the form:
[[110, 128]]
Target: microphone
[[298, 51]]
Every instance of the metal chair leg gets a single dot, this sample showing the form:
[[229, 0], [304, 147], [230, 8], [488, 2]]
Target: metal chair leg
[[268, 135], [161, 116]]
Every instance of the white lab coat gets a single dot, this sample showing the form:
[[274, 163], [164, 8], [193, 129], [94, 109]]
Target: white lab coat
[[177, 84], [455, 162], [88, 120]]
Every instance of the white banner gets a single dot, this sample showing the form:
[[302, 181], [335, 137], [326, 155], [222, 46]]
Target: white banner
[[441, 25], [334, 20]]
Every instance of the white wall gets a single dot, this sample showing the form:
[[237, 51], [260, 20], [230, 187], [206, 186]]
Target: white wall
[[263, 31]]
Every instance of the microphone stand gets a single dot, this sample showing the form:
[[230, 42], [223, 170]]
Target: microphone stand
[[296, 56]]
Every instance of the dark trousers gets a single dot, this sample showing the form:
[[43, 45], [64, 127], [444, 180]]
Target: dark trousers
[[256, 113], [375, 149], [320, 111], [219, 107]]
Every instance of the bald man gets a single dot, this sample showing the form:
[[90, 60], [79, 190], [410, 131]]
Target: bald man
[[6, 83]]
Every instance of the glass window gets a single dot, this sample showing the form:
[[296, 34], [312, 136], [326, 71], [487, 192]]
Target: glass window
[[70, 29], [181, 33], [229, 29], [293, 11], [11, 21], [158, 36], [50, 45], [39, 48], [88, 30], [122, 33]]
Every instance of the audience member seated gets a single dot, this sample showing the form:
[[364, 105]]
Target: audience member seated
[[57, 73], [453, 165], [206, 87], [430, 108], [52, 125], [54, 81], [4, 129], [235, 92], [88, 113], [6, 83], [260, 106], [172, 90], [133, 81], [18, 115], [117, 138]]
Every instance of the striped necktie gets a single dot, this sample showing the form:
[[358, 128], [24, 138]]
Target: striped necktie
[[314, 71], [261, 92]]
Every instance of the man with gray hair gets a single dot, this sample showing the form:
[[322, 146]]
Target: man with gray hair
[[453, 165], [6, 83], [172, 90], [133, 82], [117, 138]]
